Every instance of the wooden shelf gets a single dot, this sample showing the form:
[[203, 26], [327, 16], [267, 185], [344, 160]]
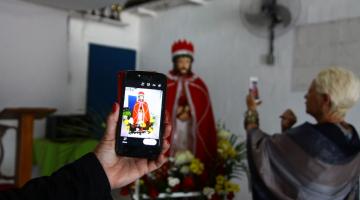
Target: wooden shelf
[[15, 113], [26, 117], [98, 19]]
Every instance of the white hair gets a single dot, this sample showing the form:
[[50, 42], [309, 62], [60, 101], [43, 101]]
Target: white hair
[[343, 87]]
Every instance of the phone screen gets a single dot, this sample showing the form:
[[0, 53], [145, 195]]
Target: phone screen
[[142, 111], [141, 116], [254, 89]]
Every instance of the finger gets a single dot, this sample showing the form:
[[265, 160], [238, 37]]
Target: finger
[[248, 97], [168, 127], [155, 164], [160, 161], [167, 117], [112, 122], [167, 131], [166, 147]]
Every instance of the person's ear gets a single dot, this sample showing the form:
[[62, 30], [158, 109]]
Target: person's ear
[[326, 100]]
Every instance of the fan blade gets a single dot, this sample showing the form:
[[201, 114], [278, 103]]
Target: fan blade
[[283, 14], [257, 19]]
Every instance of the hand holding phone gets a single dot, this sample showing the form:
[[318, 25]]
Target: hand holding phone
[[120, 170]]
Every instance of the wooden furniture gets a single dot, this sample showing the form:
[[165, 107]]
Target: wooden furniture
[[26, 118]]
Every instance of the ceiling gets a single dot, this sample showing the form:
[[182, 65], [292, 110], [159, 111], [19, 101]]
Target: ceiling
[[77, 4], [155, 5]]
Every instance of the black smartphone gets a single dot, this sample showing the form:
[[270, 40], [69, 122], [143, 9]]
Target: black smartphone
[[142, 112]]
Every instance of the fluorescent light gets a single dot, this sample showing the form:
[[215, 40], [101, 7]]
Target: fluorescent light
[[198, 2], [146, 11]]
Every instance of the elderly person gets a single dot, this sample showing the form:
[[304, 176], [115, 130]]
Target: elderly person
[[313, 161], [288, 120]]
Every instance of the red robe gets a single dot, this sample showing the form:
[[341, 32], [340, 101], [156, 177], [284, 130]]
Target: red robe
[[203, 123], [145, 110]]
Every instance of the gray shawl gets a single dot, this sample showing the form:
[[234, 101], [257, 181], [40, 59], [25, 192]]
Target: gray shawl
[[304, 163]]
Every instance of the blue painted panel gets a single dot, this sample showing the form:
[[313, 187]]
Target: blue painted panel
[[104, 63]]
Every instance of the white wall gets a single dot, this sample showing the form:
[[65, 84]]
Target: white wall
[[43, 60], [33, 62], [227, 54], [33, 56], [82, 33], [324, 11]]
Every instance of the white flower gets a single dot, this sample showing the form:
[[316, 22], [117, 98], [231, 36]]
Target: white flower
[[173, 181], [131, 120], [224, 134], [174, 169], [151, 175], [183, 157], [171, 159], [208, 192], [185, 169]]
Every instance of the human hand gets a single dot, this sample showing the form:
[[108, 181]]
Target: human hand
[[251, 102], [122, 171]]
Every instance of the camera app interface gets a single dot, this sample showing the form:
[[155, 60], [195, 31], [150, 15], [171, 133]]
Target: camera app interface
[[141, 115]]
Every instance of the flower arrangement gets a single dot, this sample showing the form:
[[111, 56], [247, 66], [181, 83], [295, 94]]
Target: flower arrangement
[[185, 173], [231, 164], [131, 127]]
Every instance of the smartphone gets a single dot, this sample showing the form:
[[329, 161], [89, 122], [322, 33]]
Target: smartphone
[[142, 112], [254, 89]]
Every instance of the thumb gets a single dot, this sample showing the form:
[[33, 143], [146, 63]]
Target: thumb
[[112, 122]]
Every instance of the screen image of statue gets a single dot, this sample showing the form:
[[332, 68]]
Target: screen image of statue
[[141, 115]]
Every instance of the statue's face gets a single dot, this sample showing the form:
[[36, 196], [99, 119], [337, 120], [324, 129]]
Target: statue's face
[[183, 65], [141, 97]]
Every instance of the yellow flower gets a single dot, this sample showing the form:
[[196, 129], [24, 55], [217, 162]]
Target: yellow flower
[[224, 185], [236, 188], [152, 120], [220, 180], [141, 182], [142, 125], [231, 187], [219, 188], [196, 166], [150, 130], [225, 149], [126, 122]]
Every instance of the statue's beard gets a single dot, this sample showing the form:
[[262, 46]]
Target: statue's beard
[[182, 72]]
